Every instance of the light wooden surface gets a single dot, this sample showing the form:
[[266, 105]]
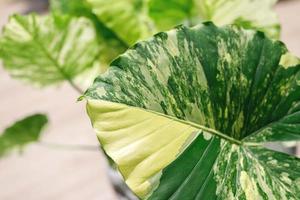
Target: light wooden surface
[[41, 173]]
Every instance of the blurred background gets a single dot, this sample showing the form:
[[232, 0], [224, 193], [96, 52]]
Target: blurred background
[[44, 173]]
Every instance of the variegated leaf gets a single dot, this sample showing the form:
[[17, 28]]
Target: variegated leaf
[[185, 115], [133, 20], [110, 45], [49, 49]]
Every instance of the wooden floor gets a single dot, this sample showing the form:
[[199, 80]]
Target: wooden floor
[[42, 173]]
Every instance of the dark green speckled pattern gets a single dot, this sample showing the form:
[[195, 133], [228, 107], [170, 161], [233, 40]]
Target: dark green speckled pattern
[[223, 78], [237, 82]]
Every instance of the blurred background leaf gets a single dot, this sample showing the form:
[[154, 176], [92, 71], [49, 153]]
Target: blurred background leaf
[[129, 19], [45, 50], [254, 14], [167, 14], [22, 133], [110, 45], [249, 14]]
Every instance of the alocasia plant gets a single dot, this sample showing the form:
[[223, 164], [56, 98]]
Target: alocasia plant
[[79, 38], [132, 20], [185, 115], [187, 96]]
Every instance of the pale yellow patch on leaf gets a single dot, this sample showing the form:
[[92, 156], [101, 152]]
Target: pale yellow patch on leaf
[[248, 187], [141, 143], [289, 60]]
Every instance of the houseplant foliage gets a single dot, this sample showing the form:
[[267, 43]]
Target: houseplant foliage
[[185, 115], [21, 133], [79, 38], [43, 50], [221, 12], [132, 20], [119, 24]]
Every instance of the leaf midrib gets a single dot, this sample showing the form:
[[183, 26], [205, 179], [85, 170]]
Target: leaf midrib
[[198, 126], [59, 68], [192, 124]]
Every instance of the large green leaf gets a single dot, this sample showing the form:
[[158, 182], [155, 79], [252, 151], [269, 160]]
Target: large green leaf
[[22, 133], [254, 14], [48, 49], [110, 45], [186, 113]]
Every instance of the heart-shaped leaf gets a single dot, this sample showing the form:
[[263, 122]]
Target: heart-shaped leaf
[[185, 115]]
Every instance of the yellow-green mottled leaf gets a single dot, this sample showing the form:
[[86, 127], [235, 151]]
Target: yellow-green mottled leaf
[[45, 50], [110, 45], [133, 20], [185, 114]]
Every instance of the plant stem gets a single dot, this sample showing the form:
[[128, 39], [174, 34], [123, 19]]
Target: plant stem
[[80, 147], [75, 87]]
